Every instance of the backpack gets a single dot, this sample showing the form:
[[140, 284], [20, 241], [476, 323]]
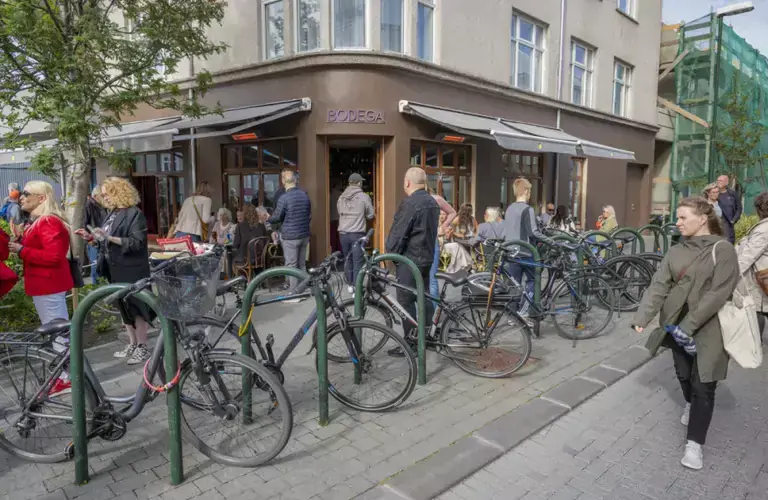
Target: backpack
[[4, 210]]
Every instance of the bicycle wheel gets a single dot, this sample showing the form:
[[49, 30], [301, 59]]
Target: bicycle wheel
[[630, 276], [42, 432], [372, 341], [215, 421], [652, 259], [504, 285], [582, 306], [385, 381], [495, 350]]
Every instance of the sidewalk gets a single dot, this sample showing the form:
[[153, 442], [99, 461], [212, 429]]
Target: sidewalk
[[350, 456], [627, 442]]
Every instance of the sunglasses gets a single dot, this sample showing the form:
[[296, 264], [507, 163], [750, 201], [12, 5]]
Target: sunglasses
[[27, 194]]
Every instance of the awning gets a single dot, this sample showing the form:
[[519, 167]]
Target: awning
[[141, 136], [513, 135]]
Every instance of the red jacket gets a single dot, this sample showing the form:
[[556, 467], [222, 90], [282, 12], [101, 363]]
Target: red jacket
[[46, 269], [7, 277]]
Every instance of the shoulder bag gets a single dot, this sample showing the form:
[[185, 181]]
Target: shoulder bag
[[739, 326], [203, 225]]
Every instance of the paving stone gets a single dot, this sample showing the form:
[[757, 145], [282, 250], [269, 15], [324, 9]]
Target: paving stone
[[513, 428], [573, 392], [381, 493], [604, 375], [629, 360]]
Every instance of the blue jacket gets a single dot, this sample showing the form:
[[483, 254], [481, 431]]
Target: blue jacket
[[294, 213], [730, 204]]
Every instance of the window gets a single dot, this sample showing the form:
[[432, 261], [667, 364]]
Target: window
[[392, 25], [252, 171], [134, 28], [527, 54], [582, 67], [348, 24], [425, 30], [447, 167], [527, 165], [622, 75], [625, 6], [159, 179], [309, 25], [274, 22]]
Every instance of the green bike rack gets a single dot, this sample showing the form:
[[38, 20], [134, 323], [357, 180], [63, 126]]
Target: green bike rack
[[563, 236], [422, 343], [658, 234], [638, 241], [673, 233], [537, 273], [589, 234], [322, 339], [78, 383]]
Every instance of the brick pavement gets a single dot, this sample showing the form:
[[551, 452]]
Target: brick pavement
[[626, 444], [351, 455]]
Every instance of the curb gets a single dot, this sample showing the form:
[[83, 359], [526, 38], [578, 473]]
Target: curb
[[449, 466]]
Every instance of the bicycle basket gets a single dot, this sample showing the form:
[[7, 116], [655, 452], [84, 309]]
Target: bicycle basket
[[187, 289]]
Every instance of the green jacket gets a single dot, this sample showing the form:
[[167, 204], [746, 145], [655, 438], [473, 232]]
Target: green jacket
[[693, 302]]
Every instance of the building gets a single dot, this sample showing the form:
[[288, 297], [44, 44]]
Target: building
[[479, 93]]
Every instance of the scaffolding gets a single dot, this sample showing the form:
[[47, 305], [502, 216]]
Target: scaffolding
[[706, 80]]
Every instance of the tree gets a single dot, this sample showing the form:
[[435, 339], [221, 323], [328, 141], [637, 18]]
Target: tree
[[82, 66]]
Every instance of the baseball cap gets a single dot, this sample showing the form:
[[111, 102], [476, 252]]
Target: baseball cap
[[355, 178]]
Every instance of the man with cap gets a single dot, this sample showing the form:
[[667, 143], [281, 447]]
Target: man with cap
[[354, 208]]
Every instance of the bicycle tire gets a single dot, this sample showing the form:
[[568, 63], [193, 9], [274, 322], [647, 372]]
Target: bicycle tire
[[340, 372], [62, 454], [263, 380], [563, 290], [503, 286], [652, 259], [467, 364], [622, 265]]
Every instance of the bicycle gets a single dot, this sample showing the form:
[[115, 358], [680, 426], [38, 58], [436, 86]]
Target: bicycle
[[358, 377], [472, 334], [32, 366]]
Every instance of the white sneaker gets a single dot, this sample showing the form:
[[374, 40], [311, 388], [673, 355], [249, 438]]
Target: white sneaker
[[686, 414], [693, 458], [140, 355], [126, 352], [351, 290]]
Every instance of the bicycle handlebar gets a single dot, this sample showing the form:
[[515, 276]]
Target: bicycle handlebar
[[320, 270]]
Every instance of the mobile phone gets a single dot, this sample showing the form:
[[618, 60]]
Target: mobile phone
[[89, 228]]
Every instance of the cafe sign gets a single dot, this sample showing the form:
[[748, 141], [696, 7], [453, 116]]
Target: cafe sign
[[355, 116]]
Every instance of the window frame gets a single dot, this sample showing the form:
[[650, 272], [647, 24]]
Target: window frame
[[626, 85], [630, 8], [432, 6], [455, 171], [173, 209], [266, 32], [297, 27], [588, 66], [366, 34], [515, 41], [507, 193], [131, 26], [402, 28]]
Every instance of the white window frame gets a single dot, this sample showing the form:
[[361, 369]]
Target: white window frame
[[430, 4], [515, 41], [366, 27], [402, 28], [297, 18], [630, 11], [161, 69], [626, 83], [589, 72], [265, 29]]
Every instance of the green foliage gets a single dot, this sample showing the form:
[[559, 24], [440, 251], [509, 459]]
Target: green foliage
[[745, 224], [17, 312], [83, 67]]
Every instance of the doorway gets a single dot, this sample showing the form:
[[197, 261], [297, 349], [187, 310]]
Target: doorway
[[634, 194], [346, 157]]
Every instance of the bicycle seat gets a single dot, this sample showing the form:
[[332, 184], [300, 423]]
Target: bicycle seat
[[456, 279], [55, 327], [226, 286], [568, 246]]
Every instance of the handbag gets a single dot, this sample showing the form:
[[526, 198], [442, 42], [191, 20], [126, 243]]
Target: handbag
[[203, 225], [761, 278], [739, 326], [75, 270]]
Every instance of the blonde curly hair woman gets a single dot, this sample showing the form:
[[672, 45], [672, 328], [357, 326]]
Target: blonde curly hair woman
[[124, 258]]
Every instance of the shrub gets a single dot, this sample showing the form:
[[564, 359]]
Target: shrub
[[17, 311], [745, 224]]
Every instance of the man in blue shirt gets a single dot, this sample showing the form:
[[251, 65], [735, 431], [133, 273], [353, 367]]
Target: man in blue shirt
[[294, 213]]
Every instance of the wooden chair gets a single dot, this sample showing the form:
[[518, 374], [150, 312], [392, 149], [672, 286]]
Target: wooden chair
[[254, 258]]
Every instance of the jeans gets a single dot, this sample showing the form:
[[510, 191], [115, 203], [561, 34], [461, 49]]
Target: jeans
[[434, 288], [408, 299], [699, 394], [517, 271], [295, 253], [51, 307], [348, 247], [93, 258], [196, 238]]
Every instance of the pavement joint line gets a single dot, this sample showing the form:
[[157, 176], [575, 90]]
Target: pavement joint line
[[612, 368], [594, 380], [556, 402], [489, 443], [397, 492]]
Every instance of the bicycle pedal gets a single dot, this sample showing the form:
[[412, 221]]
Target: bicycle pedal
[[270, 340]]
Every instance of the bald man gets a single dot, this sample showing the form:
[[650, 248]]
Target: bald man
[[414, 235]]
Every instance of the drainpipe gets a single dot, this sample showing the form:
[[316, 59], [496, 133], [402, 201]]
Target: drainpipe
[[192, 141], [561, 61]]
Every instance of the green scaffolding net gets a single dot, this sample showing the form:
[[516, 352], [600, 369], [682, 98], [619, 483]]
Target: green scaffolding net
[[728, 88]]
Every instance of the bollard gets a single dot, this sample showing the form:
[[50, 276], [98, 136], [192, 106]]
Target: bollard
[[637, 241], [537, 274], [614, 251], [76, 366], [420, 319], [673, 233], [563, 236], [322, 339], [658, 233]]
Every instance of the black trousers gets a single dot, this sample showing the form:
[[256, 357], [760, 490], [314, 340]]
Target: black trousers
[[701, 395], [408, 299]]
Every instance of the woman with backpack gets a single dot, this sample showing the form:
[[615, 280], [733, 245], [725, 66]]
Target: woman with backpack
[[693, 282], [753, 260]]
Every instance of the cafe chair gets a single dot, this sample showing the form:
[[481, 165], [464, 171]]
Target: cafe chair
[[254, 258]]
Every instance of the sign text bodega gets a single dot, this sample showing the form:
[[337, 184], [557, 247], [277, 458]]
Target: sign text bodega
[[355, 116]]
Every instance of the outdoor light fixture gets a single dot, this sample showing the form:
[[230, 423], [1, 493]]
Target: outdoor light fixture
[[245, 137], [735, 9], [451, 138]]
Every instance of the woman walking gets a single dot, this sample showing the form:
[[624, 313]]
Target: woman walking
[[124, 258], [695, 279], [193, 216], [753, 258]]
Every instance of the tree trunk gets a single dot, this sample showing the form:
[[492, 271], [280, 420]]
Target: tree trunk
[[78, 187]]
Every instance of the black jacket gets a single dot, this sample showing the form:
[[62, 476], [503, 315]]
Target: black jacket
[[730, 203], [129, 262], [293, 213], [414, 230], [94, 214]]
